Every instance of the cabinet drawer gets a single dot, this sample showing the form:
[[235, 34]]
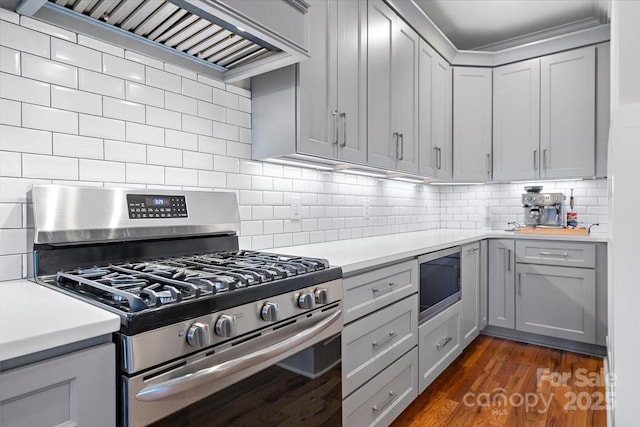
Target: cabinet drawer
[[556, 253], [366, 293], [439, 344], [383, 398], [374, 342]]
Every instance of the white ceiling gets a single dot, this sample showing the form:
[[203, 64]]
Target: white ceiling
[[498, 24]]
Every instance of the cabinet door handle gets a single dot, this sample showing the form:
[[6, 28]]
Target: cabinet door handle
[[334, 116], [401, 136], [509, 259], [444, 342], [391, 398], [488, 164], [434, 161], [520, 284], [564, 254], [472, 250], [535, 158], [343, 116], [544, 159], [388, 339], [377, 291], [438, 158], [396, 135]]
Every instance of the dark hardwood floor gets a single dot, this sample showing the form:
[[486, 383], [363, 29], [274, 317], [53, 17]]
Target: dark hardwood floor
[[498, 382]]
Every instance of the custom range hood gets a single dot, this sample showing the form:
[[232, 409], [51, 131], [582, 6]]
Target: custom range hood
[[228, 40]]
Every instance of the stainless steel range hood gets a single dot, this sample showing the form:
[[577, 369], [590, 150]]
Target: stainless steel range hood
[[226, 39]]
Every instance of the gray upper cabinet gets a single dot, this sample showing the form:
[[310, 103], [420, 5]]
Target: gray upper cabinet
[[567, 114], [516, 121], [472, 124], [441, 124], [392, 91], [334, 81]]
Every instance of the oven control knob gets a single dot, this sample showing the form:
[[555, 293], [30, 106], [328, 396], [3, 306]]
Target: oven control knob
[[307, 300], [198, 335], [322, 296], [226, 326], [270, 312]]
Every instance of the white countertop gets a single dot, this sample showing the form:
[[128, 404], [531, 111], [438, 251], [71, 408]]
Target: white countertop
[[34, 318], [354, 255]]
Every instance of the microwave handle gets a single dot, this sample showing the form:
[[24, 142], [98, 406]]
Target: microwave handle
[[189, 381], [457, 269]]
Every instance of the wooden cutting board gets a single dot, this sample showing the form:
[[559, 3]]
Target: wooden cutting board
[[557, 231]]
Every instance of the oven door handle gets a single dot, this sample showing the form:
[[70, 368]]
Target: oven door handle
[[178, 385]]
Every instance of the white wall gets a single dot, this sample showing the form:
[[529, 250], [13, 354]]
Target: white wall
[[76, 111], [624, 246]]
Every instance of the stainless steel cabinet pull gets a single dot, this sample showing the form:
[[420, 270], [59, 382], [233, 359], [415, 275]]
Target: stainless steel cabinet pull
[[396, 135], [544, 159], [205, 376], [444, 342], [434, 160], [391, 336], [391, 398], [509, 259], [343, 116], [564, 254], [520, 284], [471, 250], [401, 146], [535, 158], [488, 164], [334, 116], [377, 291]]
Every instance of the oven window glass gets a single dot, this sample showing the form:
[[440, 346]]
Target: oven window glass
[[439, 282], [303, 390]]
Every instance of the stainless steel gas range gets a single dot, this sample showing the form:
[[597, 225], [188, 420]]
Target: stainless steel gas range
[[210, 334]]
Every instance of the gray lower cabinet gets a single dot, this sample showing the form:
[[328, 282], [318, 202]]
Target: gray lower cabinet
[[470, 284], [383, 398], [502, 283], [556, 301], [76, 389]]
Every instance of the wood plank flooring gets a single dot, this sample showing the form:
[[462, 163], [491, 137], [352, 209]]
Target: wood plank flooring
[[498, 382]]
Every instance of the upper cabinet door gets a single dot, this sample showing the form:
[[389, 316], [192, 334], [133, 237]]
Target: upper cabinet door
[[351, 90], [426, 63], [567, 108], [404, 96], [381, 138], [516, 121], [472, 124], [441, 115], [319, 135]]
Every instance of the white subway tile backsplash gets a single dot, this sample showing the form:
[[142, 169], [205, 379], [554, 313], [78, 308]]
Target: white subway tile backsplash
[[101, 127], [250, 167], [73, 54], [211, 111], [119, 67], [98, 170], [137, 92], [101, 46], [10, 112], [164, 118], [91, 81], [163, 80], [9, 16], [49, 167], [211, 82], [182, 177], [226, 164], [123, 110], [245, 135], [195, 160], [183, 140], [262, 242], [10, 265], [77, 146], [144, 174], [300, 238], [238, 90], [25, 90], [262, 212], [196, 90], [125, 152], [45, 118], [13, 241], [164, 156], [244, 104], [251, 228], [10, 163], [51, 30], [237, 149], [227, 99], [76, 100], [196, 125], [24, 140], [212, 145], [9, 60], [42, 69], [212, 179], [24, 39], [145, 60], [238, 118], [144, 134], [181, 103], [250, 197], [180, 71], [281, 240]]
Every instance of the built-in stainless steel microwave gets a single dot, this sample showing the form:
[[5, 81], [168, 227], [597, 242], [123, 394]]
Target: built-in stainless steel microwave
[[439, 281]]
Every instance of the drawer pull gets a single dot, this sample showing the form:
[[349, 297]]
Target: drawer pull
[[446, 341], [377, 291], [472, 250], [391, 336], [391, 398], [564, 254]]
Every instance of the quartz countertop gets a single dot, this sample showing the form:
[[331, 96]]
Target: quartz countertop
[[356, 255], [35, 318]]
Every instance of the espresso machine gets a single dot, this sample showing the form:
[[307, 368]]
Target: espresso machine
[[543, 209]]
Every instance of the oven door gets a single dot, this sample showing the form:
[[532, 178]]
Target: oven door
[[283, 375]]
